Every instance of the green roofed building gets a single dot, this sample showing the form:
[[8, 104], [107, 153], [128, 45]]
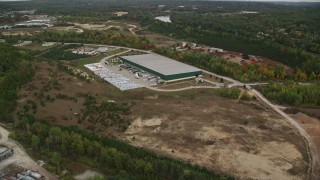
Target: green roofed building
[[167, 69]]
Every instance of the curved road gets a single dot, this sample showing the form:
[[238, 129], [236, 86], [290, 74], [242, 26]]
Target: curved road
[[20, 157]]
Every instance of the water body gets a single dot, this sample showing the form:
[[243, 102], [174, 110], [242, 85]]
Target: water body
[[163, 18]]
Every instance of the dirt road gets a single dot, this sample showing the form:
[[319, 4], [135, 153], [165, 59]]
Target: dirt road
[[313, 152], [20, 157]]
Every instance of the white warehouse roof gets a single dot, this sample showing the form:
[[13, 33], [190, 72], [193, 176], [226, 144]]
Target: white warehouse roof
[[161, 64]]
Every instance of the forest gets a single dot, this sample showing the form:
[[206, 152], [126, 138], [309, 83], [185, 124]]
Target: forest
[[15, 70], [293, 93], [60, 145], [303, 53]]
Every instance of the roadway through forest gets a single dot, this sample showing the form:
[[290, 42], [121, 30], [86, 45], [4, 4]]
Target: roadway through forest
[[20, 157]]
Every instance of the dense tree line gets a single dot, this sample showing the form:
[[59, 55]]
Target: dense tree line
[[115, 158], [293, 93], [249, 73], [15, 70]]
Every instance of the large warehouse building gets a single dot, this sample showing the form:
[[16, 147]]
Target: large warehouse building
[[167, 69]]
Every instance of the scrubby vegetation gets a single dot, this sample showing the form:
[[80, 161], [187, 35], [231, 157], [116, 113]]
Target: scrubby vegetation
[[107, 114], [232, 93]]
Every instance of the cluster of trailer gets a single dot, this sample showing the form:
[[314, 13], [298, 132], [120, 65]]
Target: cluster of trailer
[[15, 172], [116, 79], [138, 73]]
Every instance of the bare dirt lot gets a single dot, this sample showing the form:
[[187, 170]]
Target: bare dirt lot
[[239, 138]]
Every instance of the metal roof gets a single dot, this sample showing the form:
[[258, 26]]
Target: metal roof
[[3, 149], [161, 64]]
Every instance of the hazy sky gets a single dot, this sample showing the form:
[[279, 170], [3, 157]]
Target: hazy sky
[[236, 0]]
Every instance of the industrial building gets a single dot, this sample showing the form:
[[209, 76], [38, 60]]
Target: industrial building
[[5, 152], [165, 68]]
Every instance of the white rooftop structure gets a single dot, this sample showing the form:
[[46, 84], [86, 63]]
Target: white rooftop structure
[[160, 64]]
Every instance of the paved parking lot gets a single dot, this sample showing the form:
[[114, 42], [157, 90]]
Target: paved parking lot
[[113, 77]]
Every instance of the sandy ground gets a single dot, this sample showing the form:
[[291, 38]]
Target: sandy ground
[[243, 140]]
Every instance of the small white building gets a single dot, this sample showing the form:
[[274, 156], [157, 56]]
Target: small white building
[[79, 30], [212, 49], [47, 44], [120, 13], [183, 44], [5, 152], [103, 49], [23, 43]]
